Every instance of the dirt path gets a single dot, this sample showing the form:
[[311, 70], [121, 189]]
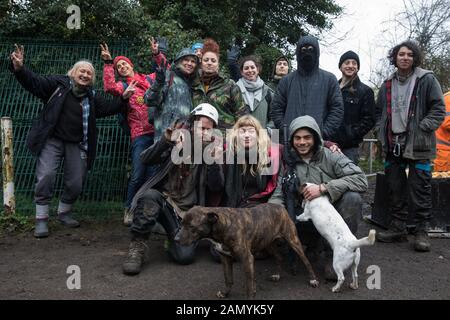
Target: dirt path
[[36, 269]]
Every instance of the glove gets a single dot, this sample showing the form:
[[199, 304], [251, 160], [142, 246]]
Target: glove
[[233, 53], [162, 45]]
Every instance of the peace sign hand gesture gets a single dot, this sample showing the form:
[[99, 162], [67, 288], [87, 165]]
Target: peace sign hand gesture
[[129, 91], [105, 54], [17, 57]]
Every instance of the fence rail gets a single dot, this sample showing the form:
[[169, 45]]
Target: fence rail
[[105, 187]]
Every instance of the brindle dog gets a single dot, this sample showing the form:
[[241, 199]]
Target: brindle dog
[[244, 232]]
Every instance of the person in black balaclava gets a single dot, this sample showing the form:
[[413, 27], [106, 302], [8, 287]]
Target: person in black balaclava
[[309, 91], [307, 58]]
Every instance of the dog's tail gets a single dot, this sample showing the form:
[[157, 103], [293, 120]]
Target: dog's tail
[[366, 241]]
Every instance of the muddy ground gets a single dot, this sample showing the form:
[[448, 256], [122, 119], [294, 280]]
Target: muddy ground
[[37, 269]]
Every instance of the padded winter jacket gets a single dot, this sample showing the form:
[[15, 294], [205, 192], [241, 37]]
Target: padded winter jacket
[[52, 90]]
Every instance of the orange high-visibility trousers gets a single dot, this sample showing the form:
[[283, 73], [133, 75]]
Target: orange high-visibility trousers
[[442, 161]]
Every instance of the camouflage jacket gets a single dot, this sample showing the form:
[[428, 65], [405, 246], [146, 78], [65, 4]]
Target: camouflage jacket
[[224, 95]]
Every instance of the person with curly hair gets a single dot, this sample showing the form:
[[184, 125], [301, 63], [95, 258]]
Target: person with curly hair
[[212, 87], [410, 107]]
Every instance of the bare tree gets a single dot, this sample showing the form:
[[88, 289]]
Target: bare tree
[[427, 22]]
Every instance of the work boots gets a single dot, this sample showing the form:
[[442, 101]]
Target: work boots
[[397, 232], [137, 255], [422, 241]]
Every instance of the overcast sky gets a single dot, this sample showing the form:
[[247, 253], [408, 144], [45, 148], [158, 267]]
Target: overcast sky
[[363, 19]]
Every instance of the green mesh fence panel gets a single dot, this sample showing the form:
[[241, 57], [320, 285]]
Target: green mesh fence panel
[[105, 188]]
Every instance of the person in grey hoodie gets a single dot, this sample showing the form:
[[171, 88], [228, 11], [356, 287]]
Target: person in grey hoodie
[[331, 173], [410, 107], [309, 91]]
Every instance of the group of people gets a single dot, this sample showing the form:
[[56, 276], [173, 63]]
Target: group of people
[[188, 100]]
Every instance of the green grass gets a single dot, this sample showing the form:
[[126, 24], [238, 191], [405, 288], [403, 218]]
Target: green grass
[[377, 165]]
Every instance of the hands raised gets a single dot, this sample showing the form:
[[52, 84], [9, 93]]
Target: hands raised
[[174, 133], [17, 57], [158, 44], [105, 54], [233, 53]]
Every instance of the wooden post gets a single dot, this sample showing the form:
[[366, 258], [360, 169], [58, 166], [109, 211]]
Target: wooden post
[[9, 201]]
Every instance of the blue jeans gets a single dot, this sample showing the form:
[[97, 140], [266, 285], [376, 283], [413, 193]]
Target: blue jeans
[[139, 172]]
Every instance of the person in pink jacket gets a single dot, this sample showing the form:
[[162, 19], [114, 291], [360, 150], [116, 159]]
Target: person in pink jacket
[[137, 118]]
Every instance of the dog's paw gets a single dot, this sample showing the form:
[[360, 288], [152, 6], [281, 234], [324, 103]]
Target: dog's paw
[[275, 277], [314, 283], [336, 288], [221, 295], [353, 285]]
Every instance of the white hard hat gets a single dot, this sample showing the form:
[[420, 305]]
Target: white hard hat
[[207, 110]]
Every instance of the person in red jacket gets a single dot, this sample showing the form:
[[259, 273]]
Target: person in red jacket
[[137, 117], [442, 161]]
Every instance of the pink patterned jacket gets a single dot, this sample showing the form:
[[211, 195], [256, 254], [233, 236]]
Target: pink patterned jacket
[[137, 114]]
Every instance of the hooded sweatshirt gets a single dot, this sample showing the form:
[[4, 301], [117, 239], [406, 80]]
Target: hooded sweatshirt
[[313, 92], [335, 170]]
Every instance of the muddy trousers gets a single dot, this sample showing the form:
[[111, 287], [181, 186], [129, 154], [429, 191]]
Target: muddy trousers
[[153, 207], [47, 166], [412, 191]]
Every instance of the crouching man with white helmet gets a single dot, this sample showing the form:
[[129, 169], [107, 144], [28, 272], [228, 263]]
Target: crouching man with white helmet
[[175, 188]]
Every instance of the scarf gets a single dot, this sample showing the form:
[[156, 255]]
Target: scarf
[[206, 78], [82, 92], [252, 90], [79, 92]]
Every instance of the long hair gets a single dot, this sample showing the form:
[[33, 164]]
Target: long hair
[[411, 45], [80, 64], [263, 143]]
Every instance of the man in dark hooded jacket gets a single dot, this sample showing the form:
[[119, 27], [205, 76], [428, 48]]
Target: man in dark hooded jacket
[[309, 91]]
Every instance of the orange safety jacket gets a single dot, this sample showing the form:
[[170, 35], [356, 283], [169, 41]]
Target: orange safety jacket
[[442, 162]]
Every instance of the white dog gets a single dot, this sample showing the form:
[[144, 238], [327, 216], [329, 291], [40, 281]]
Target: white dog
[[333, 228]]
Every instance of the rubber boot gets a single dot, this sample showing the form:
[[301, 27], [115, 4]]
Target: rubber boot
[[66, 220], [41, 228], [64, 215]]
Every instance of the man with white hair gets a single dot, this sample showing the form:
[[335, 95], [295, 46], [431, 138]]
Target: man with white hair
[[65, 129]]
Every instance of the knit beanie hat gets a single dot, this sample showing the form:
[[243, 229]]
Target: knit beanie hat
[[196, 46], [118, 58], [349, 55]]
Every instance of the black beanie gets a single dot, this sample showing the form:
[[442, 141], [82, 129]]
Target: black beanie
[[349, 55]]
